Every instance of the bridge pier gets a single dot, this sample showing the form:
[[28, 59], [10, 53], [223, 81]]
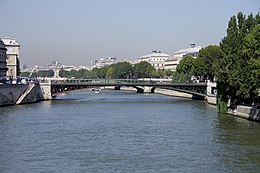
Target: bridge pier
[[148, 89], [117, 87], [46, 90]]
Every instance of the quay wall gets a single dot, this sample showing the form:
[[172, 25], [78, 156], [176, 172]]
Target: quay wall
[[33, 94], [247, 112], [11, 94], [172, 93]]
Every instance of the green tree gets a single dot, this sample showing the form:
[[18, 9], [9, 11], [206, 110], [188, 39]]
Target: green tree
[[25, 74], [234, 69], [250, 70], [123, 70], [185, 66], [45, 73], [94, 73], [184, 70], [110, 72], [143, 70], [204, 63]]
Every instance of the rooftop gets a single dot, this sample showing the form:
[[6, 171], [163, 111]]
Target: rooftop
[[8, 41], [155, 54]]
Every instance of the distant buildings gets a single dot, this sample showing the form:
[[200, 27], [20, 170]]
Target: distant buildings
[[102, 62], [3, 67], [171, 63], [13, 56], [156, 59]]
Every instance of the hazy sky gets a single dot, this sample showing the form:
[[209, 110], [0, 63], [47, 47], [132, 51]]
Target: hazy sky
[[75, 32]]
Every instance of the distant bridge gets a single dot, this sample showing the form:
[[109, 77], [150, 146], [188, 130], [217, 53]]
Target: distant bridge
[[198, 90]]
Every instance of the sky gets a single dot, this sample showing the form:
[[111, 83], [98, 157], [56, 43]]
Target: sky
[[74, 32]]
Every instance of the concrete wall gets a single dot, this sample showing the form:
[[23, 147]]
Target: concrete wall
[[247, 112], [32, 94], [21, 94], [211, 99], [172, 93], [45, 89], [9, 94]]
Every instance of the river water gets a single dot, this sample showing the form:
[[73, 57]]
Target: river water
[[119, 131]]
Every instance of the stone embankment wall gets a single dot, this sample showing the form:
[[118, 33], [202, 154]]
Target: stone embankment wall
[[172, 93], [251, 113], [11, 94]]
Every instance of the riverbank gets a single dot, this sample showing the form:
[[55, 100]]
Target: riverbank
[[34, 92], [247, 112], [12, 94]]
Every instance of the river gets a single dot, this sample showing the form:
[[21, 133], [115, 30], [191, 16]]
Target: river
[[120, 131]]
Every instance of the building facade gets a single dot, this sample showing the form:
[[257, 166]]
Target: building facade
[[102, 62], [13, 57], [3, 65], [171, 63], [156, 59]]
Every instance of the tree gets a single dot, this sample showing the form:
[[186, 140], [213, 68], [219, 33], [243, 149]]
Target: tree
[[110, 72], [234, 69], [250, 71], [25, 74], [143, 70], [204, 63], [123, 70], [184, 70], [185, 66], [45, 73]]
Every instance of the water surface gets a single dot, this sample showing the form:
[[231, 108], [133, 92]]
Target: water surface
[[117, 131]]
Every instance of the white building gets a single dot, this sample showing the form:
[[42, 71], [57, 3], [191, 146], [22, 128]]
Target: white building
[[102, 62], [156, 59], [3, 56], [172, 62], [13, 56]]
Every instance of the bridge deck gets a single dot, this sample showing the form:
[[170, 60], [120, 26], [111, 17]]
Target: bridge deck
[[198, 89], [131, 84]]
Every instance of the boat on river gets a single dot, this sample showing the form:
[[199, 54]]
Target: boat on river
[[96, 90]]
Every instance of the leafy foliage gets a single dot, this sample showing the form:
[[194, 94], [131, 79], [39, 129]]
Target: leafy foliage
[[143, 70], [184, 70], [238, 71], [121, 70], [204, 64], [42, 73]]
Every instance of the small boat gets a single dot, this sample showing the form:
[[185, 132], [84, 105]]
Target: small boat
[[95, 90]]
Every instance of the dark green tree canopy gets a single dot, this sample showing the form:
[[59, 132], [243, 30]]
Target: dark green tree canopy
[[185, 66], [143, 70], [204, 63], [237, 71]]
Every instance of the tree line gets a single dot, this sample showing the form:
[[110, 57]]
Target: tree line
[[234, 64], [120, 70]]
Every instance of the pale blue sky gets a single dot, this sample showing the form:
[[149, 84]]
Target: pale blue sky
[[77, 31]]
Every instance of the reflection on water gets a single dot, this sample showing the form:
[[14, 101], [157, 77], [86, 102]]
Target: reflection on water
[[118, 131], [240, 143]]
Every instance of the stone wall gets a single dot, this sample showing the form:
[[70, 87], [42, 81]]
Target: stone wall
[[9, 93], [20, 94], [247, 112], [32, 94]]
